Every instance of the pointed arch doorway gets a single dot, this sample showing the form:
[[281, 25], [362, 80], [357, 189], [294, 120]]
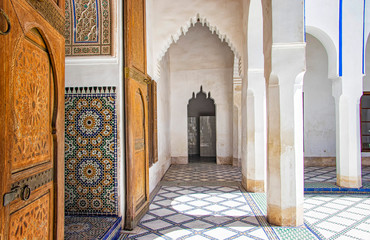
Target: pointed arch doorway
[[201, 128]]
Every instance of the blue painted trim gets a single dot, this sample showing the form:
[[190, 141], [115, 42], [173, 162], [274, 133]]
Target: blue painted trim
[[340, 37], [363, 39], [113, 229]]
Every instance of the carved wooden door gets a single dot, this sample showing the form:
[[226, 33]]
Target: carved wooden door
[[32, 119], [136, 110]]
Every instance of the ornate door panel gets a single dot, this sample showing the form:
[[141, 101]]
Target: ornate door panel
[[137, 151], [137, 114], [32, 124]]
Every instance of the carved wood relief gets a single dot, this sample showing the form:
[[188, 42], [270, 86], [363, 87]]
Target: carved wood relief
[[140, 151], [31, 98], [33, 221]]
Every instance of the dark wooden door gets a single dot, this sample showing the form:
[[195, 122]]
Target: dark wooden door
[[32, 119], [136, 112]]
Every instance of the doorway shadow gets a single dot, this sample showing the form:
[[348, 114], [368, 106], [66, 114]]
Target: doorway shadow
[[198, 159]]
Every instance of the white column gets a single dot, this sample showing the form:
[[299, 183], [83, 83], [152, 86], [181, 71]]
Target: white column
[[348, 136], [254, 120], [285, 112], [253, 176], [347, 91], [285, 135]]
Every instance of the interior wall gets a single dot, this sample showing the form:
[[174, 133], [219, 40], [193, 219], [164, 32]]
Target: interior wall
[[200, 59], [91, 71], [366, 85], [237, 130], [158, 169], [319, 104]]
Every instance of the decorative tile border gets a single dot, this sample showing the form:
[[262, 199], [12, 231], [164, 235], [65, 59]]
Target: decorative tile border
[[91, 151], [88, 27], [332, 188]]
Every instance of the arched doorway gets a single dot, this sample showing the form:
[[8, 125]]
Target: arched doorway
[[319, 115], [201, 128]]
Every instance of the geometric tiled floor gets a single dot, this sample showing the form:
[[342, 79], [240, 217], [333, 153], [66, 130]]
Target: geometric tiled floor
[[205, 172], [338, 216], [90, 227], [328, 174], [202, 172], [212, 212], [206, 201]]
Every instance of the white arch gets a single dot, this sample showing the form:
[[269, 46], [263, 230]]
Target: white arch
[[184, 29], [330, 48]]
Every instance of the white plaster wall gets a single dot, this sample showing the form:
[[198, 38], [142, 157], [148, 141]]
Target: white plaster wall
[[367, 67], [171, 18], [157, 170], [237, 122], [105, 71], [200, 58], [319, 104], [255, 36], [322, 21], [367, 20], [287, 18]]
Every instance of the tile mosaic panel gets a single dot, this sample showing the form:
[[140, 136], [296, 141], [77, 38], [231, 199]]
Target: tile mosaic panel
[[90, 151], [88, 27], [89, 228]]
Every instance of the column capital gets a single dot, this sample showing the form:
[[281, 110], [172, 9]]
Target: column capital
[[340, 88], [288, 61]]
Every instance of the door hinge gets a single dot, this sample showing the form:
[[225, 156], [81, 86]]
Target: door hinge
[[11, 196]]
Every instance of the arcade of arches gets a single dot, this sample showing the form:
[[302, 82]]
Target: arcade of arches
[[286, 91]]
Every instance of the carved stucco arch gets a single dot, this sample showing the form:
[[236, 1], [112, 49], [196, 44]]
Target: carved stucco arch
[[184, 29]]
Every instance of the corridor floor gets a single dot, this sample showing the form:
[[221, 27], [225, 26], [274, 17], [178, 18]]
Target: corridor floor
[[206, 201]]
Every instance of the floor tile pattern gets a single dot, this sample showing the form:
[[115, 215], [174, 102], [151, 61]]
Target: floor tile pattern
[[212, 212], [338, 216], [90, 152], [213, 208], [203, 172], [328, 174], [89, 228]]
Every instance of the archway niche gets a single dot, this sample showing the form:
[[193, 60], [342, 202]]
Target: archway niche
[[365, 107], [318, 107], [201, 128]]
